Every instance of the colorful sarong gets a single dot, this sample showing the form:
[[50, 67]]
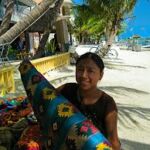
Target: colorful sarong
[[31, 139], [63, 126]]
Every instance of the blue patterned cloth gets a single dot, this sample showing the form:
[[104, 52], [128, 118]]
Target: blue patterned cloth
[[63, 126]]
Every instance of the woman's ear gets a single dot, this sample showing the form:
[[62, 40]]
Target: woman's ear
[[101, 75]]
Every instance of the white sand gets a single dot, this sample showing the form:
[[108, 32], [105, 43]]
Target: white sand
[[128, 81]]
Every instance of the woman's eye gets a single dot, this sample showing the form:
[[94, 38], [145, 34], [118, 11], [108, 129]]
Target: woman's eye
[[91, 71], [80, 69]]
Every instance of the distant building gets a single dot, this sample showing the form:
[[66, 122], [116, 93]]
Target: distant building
[[23, 7], [61, 27]]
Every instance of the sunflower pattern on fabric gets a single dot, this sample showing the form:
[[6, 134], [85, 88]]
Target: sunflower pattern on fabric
[[103, 146], [48, 94], [65, 110], [62, 125]]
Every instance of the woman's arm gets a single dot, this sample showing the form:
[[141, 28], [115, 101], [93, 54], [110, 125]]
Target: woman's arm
[[111, 129]]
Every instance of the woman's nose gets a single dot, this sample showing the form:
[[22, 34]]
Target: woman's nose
[[84, 73]]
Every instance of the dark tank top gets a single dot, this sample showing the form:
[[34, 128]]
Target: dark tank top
[[96, 112]]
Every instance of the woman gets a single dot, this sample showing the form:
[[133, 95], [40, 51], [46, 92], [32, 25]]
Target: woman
[[90, 100]]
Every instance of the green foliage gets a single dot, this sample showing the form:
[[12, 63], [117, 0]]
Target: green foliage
[[86, 24], [50, 46], [96, 17], [122, 29], [96, 25], [12, 52]]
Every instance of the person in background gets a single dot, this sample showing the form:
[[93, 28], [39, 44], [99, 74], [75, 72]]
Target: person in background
[[93, 102], [19, 44], [56, 44]]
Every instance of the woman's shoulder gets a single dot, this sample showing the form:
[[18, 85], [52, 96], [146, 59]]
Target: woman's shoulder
[[108, 98], [65, 87], [108, 101], [70, 86], [68, 90]]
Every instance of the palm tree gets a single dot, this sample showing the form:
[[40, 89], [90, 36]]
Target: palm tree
[[112, 12], [44, 25], [27, 21], [47, 21], [82, 14], [102, 17]]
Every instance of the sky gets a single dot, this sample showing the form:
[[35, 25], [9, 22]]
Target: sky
[[140, 24]]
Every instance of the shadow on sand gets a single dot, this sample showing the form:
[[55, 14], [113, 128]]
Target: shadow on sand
[[126, 112], [132, 145], [119, 65], [131, 116], [121, 90]]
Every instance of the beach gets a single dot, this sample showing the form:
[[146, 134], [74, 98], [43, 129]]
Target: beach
[[127, 80]]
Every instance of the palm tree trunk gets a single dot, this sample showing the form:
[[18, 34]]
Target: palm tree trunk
[[7, 18], [110, 34], [27, 41], [51, 17], [40, 51], [43, 40], [27, 21]]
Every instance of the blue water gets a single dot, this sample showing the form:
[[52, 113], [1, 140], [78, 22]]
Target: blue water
[[140, 41], [144, 41]]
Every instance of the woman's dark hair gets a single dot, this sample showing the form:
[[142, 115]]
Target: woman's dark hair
[[97, 59]]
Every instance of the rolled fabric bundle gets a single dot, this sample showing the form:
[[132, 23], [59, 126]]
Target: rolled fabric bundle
[[63, 126]]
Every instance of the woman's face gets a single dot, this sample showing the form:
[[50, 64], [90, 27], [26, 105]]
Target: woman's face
[[88, 74]]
